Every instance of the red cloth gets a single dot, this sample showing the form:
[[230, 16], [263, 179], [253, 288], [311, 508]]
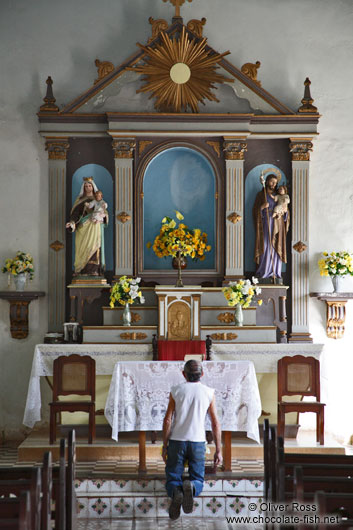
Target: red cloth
[[175, 350]]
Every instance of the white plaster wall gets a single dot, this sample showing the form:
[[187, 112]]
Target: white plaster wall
[[292, 39]]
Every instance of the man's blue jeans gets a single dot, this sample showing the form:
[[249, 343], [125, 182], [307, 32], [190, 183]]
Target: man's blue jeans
[[178, 453]]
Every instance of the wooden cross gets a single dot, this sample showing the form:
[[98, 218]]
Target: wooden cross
[[177, 4]]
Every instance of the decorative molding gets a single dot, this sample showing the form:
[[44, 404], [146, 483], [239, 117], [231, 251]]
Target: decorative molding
[[57, 149], [142, 145], [133, 336], [135, 317], [216, 146], [123, 217], [104, 68], [19, 309], [234, 150], [157, 26], [250, 70], [123, 148], [307, 101], [227, 318], [335, 318], [57, 245], [300, 150], [224, 336], [300, 247], [234, 217], [196, 26], [49, 105]]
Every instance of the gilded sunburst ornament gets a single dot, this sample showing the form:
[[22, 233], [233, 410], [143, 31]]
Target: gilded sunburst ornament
[[180, 73]]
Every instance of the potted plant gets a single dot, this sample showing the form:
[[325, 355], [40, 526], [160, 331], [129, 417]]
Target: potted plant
[[336, 265], [126, 291], [19, 268], [239, 295]]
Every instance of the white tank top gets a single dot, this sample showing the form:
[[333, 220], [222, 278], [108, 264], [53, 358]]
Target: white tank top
[[191, 404]]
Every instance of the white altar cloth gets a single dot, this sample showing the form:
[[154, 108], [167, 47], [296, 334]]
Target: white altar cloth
[[105, 355], [139, 393]]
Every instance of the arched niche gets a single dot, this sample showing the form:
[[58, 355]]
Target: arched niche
[[252, 187], [104, 182], [179, 177]]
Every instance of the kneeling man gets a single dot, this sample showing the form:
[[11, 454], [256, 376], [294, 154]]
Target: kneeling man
[[184, 438]]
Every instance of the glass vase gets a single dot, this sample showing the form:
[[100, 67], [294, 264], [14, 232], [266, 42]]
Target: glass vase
[[127, 315], [238, 315], [20, 281]]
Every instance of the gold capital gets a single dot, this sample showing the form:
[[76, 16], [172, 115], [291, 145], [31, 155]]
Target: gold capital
[[57, 148]]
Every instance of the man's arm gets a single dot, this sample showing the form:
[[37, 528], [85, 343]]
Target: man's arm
[[216, 431], [167, 425]]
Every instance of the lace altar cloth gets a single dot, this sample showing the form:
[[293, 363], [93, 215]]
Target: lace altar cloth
[[139, 393], [105, 355]]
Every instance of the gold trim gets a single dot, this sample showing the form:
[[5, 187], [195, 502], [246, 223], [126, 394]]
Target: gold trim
[[227, 318], [118, 327], [189, 55], [300, 150], [260, 328], [142, 145], [224, 336], [335, 318], [133, 336], [300, 247], [123, 217], [57, 245], [196, 26], [135, 317], [123, 148], [216, 146], [103, 68], [57, 149], [234, 218], [234, 150], [157, 26], [250, 70]]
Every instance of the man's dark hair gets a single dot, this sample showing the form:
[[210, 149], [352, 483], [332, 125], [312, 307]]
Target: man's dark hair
[[193, 371]]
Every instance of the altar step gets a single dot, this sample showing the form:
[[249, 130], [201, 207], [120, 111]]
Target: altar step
[[146, 498]]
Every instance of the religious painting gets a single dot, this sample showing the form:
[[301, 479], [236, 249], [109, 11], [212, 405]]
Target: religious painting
[[179, 179]]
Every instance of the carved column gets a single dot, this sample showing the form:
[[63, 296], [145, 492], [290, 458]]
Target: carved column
[[300, 149], [57, 151], [124, 153], [234, 149]]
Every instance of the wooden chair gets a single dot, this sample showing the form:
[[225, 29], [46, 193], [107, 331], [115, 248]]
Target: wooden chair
[[299, 375], [75, 374]]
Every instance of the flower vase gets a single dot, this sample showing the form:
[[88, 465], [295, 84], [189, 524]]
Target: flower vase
[[20, 281], [238, 315], [179, 263], [127, 315], [337, 283]]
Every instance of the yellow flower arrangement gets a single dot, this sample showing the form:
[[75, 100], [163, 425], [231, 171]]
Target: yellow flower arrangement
[[173, 239], [336, 264], [21, 263], [241, 292], [126, 291]]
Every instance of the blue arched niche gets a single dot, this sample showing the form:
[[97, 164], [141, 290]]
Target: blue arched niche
[[104, 182], [252, 187], [178, 178]]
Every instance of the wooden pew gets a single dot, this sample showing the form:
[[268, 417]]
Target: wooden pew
[[34, 486], [15, 512], [62, 489], [333, 503]]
